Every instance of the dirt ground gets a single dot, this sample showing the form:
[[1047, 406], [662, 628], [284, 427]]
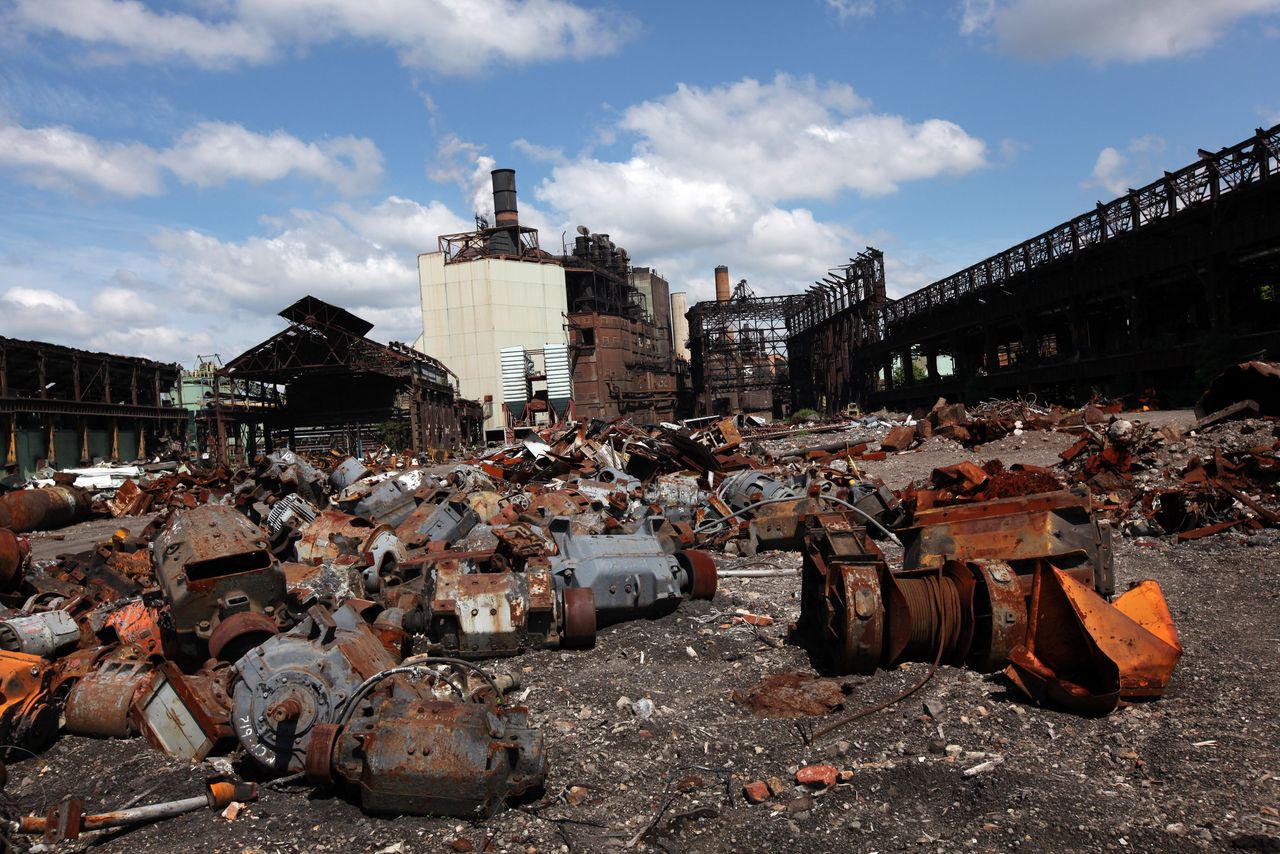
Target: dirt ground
[[1196, 770]]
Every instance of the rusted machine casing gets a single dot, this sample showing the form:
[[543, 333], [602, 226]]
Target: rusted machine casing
[[476, 614], [24, 510], [341, 539], [185, 715], [1055, 526], [100, 702], [842, 616], [296, 681], [213, 563], [419, 755], [28, 718], [630, 575], [1130, 651], [856, 615], [46, 633], [14, 551], [446, 522]]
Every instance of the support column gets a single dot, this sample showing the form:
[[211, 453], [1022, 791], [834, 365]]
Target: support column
[[115, 439], [11, 441], [52, 454], [84, 441]]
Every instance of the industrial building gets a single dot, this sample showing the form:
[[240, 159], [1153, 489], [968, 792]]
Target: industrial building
[[1149, 295], [61, 406], [320, 383], [540, 337]]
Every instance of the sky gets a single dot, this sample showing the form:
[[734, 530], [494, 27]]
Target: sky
[[173, 174]]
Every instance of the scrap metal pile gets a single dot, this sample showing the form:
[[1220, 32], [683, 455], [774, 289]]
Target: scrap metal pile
[[326, 616]]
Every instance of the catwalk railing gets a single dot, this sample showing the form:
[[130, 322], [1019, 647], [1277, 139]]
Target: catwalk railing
[[1215, 174]]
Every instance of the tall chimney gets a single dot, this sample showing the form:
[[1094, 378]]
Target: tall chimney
[[722, 284], [505, 212]]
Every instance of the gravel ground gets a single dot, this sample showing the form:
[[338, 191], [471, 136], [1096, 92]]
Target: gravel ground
[[1196, 770]]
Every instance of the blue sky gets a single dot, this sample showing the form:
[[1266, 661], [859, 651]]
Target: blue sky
[[172, 174]]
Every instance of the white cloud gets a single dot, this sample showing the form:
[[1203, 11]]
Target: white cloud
[[61, 158], [126, 30], [212, 153], [1117, 172], [159, 342], [115, 303], [1106, 30], [403, 223], [976, 16], [116, 323], [541, 153], [209, 154], [721, 167], [363, 259], [794, 138], [34, 299], [846, 9], [446, 36]]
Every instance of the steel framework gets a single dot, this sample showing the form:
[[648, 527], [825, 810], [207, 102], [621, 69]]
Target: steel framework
[[1135, 291], [740, 347]]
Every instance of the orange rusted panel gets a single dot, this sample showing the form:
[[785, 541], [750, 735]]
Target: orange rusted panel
[[1087, 654]]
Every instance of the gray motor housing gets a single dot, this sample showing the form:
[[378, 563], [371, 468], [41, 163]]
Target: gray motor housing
[[630, 575]]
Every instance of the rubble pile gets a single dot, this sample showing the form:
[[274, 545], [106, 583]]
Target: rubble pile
[[1224, 475], [328, 617]]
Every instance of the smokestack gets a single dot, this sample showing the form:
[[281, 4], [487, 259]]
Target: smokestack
[[505, 212], [722, 284]]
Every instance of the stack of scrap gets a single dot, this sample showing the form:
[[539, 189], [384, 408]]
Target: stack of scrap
[[967, 482], [1228, 489], [989, 586]]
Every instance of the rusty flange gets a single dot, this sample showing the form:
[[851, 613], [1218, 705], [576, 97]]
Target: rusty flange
[[239, 633], [1000, 614], [702, 571], [579, 617], [856, 614], [318, 764]]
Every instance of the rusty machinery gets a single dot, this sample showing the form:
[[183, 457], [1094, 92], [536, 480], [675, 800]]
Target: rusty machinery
[[46, 633], [354, 543], [435, 745], [533, 592], [14, 553], [28, 717], [629, 575], [477, 605], [443, 521], [224, 586], [1055, 526], [299, 679], [23, 510], [1062, 645], [329, 698]]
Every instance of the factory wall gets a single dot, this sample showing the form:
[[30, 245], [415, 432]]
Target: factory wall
[[473, 309]]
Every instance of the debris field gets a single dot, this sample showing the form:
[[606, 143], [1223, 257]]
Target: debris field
[[1007, 627]]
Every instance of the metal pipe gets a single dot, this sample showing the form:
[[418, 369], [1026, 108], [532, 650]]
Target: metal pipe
[[26, 510]]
